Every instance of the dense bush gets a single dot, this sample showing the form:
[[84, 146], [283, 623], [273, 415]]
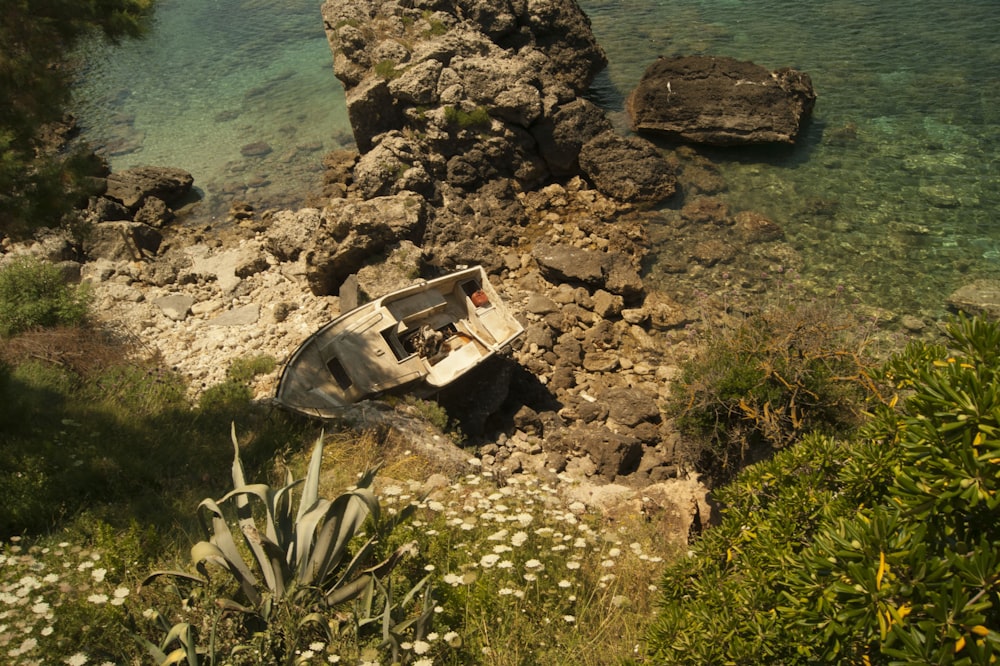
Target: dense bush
[[233, 397], [762, 383], [883, 550], [34, 294]]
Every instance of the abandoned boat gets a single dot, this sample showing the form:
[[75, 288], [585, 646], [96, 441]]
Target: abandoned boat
[[420, 338]]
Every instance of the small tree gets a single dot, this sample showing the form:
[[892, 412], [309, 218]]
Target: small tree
[[769, 379], [36, 38]]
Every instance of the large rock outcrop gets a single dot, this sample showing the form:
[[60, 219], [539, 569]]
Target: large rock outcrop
[[720, 101], [446, 97]]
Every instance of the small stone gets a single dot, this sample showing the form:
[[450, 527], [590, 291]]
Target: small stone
[[240, 316], [204, 307], [256, 149], [600, 361], [635, 316], [912, 323], [175, 306]]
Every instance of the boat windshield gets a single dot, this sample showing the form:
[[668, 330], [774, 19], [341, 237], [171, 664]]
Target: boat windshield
[[336, 369]]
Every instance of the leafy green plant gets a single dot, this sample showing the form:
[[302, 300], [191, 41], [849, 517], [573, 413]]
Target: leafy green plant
[[436, 27], [228, 397], [34, 294], [478, 117], [430, 411], [884, 550], [232, 397], [293, 562], [766, 381], [245, 369], [386, 69]]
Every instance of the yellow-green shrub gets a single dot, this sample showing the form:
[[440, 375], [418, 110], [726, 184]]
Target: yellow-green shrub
[[882, 550]]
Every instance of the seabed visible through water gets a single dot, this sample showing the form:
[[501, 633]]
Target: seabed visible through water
[[892, 194]]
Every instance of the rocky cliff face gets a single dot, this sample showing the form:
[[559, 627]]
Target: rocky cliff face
[[448, 97]]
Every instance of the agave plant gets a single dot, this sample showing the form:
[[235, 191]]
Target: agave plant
[[300, 557]]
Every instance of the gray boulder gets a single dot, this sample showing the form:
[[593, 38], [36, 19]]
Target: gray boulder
[[373, 110], [562, 32], [614, 455], [175, 306], [292, 232], [610, 271], [154, 212], [630, 407], [980, 297], [561, 135], [396, 164], [122, 241], [469, 230], [350, 233], [565, 263]]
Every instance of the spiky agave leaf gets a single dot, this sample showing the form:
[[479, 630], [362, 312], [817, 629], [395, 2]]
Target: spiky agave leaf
[[310, 491], [183, 633], [339, 590], [270, 553], [341, 521], [173, 573], [305, 539], [219, 536], [351, 586], [277, 511]]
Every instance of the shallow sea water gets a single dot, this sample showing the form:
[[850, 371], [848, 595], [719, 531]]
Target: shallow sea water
[[892, 194], [214, 77]]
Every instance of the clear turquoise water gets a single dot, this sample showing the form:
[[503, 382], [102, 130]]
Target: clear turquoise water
[[893, 193], [213, 77]]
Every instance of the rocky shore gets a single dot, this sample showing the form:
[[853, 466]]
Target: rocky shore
[[476, 146]]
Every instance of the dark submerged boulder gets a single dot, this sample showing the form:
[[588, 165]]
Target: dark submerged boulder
[[720, 101]]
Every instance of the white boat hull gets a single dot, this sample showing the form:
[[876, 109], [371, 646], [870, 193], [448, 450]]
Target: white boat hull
[[418, 339]]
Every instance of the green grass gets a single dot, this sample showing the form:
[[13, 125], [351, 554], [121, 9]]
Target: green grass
[[477, 118], [91, 430], [517, 576], [525, 577]]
